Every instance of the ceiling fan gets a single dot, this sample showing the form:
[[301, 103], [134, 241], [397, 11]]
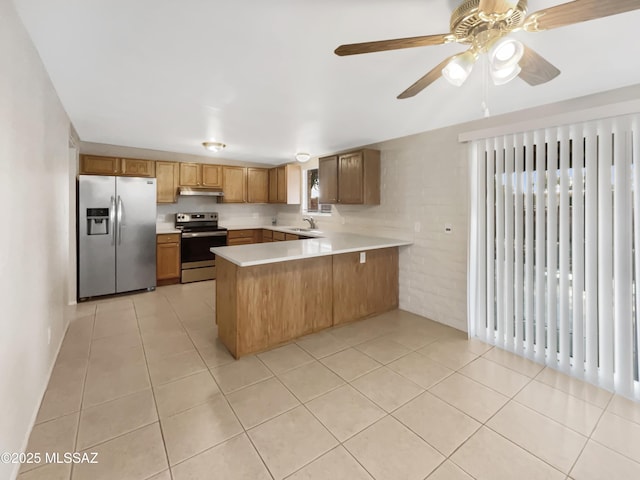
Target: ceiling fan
[[485, 25]]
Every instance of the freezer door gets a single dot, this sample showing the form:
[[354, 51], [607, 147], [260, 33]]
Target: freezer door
[[135, 233], [96, 240]]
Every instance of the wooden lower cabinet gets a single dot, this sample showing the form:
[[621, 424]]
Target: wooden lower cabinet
[[262, 306], [168, 258], [244, 237], [353, 296], [266, 305], [267, 235]]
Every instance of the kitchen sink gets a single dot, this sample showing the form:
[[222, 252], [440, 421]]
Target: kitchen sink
[[298, 229]]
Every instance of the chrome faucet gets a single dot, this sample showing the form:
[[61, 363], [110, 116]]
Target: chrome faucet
[[312, 222]]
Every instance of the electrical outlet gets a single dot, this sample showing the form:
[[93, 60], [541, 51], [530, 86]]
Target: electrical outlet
[[448, 228], [363, 257], [417, 227]]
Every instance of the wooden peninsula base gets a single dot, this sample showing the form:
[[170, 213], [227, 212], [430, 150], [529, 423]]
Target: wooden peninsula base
[[261, 306]]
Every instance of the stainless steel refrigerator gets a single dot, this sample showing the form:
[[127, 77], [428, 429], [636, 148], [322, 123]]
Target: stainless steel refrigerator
[[116, 234]]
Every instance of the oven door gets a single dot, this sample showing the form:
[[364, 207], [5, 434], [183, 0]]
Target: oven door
[[195, 248]]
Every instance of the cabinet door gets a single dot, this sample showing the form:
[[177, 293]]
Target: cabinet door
[[190, 174], [273, 185], [168, 261], [211, 175], [234, 184], [328, 175], [281, 184], [167, 179], [137, 168], [257, 185], [350, 178], [240, 241], [91, 164]]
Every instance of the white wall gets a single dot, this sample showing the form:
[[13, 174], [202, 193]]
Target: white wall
[[230, 214], [34, 250]]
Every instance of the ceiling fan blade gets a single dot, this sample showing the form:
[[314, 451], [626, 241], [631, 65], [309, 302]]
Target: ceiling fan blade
[[426, 80], [396, 44], [496, 6], [535, 69], [576, 12]]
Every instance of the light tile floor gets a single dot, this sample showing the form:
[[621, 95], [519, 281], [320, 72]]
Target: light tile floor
[[142, 381]]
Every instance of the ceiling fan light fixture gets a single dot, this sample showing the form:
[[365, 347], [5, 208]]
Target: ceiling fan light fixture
[[302, 157], [459, 68], [505, 53], [505, 75], [213, 146]]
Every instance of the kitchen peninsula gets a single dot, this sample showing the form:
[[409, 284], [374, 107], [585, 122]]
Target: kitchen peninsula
[[271, 293]]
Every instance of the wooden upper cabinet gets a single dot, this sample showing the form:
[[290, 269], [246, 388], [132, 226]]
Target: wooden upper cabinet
[[137, 168], [257, 185], [285, 183], [273, 185], [211, 175], [94, 165], [328, 172], [350, 178], [98, 165], [234, 184], [281, 184], [200, 175], [167, 181], [190, 174]]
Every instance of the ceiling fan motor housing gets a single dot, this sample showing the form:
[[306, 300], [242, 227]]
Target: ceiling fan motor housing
[[467, 21]]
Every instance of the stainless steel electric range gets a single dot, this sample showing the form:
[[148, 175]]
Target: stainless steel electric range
[[200, 232]]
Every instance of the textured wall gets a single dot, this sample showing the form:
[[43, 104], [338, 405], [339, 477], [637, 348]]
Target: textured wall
[[34, 246]]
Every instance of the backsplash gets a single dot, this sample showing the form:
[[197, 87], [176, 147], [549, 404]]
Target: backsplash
[[230, 214]]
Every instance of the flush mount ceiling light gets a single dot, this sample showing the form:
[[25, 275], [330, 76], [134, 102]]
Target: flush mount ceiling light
[[302, 157], [458, 69], [213, 146]]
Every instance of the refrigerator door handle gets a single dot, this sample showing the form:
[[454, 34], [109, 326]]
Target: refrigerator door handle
[[112, 219], [119, 217]]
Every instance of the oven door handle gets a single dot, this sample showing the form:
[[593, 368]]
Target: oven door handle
[[203, 234]]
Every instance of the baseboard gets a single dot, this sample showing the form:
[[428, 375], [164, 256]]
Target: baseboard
[[34, 416]]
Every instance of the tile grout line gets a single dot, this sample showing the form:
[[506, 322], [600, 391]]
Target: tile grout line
[[153, 393], [84, 385]]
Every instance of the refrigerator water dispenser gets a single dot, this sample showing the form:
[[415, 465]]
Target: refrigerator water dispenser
[[97, 221]]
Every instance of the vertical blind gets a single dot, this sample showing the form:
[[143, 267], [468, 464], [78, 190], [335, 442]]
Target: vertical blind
[[555, 248]]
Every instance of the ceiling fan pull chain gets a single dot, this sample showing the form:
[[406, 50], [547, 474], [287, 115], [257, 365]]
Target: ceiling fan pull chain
[[485, 86]]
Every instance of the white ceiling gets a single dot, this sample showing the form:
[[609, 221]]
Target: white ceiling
[[261, 75]]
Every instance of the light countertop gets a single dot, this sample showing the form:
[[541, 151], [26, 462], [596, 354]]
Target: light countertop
[[331, 244], [279, 228], [162, 228]]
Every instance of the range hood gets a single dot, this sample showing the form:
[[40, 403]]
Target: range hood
[[202, 191]]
